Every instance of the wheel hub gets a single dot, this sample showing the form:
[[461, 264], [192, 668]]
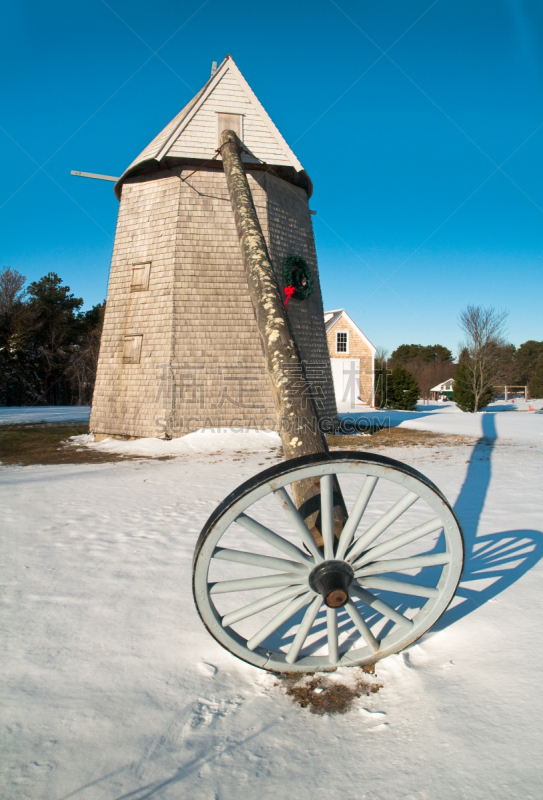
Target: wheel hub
[[332, 580]]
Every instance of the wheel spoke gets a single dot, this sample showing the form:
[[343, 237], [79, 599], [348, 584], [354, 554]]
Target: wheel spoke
[[356, 515], [260, 605], [272, 538], [260, 582], [362, 626], [298, 523], [279, 619], [256, 560], [327, 515], [399, 541], [331, 629], [399, 564], [382, 524], [400, 587], [379, 605], [303, 631]]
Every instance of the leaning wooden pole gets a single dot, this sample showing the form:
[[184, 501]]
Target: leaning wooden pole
[[297, 420]]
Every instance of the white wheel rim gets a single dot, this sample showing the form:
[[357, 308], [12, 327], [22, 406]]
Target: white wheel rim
[[366, 549]]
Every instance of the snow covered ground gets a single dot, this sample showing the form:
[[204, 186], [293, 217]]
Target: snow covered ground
[[499, 420], [113, 689]]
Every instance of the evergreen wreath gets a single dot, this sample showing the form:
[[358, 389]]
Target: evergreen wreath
[[296, 274]]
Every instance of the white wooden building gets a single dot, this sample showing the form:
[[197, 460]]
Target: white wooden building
[[443, 391], [180, 347], [352, 357]]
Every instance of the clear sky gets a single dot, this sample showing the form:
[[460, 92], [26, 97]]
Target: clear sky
[[419, 122]]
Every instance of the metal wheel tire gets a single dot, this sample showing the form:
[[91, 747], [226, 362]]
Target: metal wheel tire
[[371, 593]]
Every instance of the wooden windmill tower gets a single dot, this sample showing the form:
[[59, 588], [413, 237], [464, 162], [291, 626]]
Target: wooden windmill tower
[[180, 347]]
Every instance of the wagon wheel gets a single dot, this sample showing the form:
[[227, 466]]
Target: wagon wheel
[[368, 594]]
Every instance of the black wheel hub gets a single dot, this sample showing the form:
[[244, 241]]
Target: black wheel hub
[[332, 580]]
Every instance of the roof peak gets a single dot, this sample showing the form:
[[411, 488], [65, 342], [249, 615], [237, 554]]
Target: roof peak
[[192, 135]]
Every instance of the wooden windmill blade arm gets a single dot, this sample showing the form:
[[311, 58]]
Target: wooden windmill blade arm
[[296, 415]]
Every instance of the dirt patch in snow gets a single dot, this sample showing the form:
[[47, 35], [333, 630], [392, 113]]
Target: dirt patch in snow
[[330, 692], [47, 444], [396, 437]]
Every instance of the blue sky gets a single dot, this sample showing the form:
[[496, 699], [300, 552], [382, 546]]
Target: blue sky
[[420, 123]]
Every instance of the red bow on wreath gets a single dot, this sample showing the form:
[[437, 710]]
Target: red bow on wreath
[[289, 291]]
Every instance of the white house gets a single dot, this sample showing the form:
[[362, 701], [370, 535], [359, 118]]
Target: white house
[[443, 391]]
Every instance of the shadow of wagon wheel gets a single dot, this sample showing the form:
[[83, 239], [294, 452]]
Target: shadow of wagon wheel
[[493, 562]]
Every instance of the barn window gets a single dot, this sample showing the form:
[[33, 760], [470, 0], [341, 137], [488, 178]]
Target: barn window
[[229, 122], [140, 277], [342, 342], [132, 349]]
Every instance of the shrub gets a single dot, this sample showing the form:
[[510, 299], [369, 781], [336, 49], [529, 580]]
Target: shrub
[[402, 389]]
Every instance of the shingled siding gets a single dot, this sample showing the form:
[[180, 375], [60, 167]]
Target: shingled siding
[[201, 363], [220, 377], [291, 233], [357, 349], [124, 395]]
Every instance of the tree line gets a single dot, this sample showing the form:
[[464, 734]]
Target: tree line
[[486, 361], [48, 346], [49, 353]]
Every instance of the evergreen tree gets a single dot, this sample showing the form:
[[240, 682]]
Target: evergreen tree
[[463, 394], [48, 347], [527, 358], [17, 359], [402, 390], [428, 364], [55, 330], [420, 352], [535, 386]]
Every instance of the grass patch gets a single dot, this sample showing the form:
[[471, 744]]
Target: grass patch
[[395, 437], [46, 443], [323, 693]]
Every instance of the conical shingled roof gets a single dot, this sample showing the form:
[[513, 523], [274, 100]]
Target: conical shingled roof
[[192, 135]]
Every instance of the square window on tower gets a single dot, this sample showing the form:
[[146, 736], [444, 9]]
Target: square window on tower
[[229, 122], [132, 349], [140, 277]]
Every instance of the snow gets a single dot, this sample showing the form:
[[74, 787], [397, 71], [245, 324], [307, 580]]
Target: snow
[[498, 421], [112, 688], [206, 440], [17, 415]]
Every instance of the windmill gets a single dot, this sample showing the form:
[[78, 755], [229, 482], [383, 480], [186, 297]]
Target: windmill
[[180, 347]]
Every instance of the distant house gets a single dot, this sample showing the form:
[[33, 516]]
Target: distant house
[[352, 357], [443, 391]]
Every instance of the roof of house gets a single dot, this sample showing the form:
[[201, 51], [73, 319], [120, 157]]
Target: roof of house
[[443, 387], [193, 133], [332, 317]]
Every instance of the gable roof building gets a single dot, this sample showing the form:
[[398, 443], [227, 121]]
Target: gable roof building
[[180, 347], [352, 357], [443, 391]]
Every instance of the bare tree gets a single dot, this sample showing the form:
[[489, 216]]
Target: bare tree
[[380, 376], [11, 290], [484, 329], [430, 373], [381, 355]]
